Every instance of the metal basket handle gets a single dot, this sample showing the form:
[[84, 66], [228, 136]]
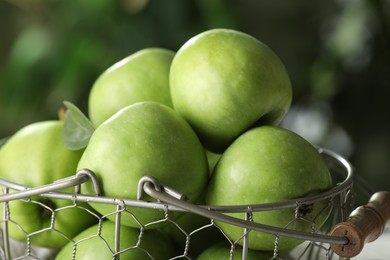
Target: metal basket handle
[[365, 224]]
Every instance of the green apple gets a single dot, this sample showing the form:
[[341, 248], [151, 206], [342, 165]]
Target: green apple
[[142, 76], [36, 156], [146, 138], [223, 251], [223, 82], [97, 242], [271, 164]]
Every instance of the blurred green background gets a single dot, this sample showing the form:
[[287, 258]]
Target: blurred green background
[[337, 54]]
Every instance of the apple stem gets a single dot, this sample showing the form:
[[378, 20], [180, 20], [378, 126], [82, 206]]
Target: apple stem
[[61, 114]]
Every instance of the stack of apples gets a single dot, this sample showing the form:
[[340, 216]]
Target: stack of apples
[[203, 121]]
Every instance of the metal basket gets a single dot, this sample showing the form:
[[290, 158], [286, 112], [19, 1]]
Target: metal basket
[[319, 243]]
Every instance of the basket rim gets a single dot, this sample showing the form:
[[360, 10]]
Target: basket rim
[[332, 158], [169, 202]]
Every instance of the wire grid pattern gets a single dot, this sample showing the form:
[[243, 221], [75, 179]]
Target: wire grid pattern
[[339, 200], [26, 250]]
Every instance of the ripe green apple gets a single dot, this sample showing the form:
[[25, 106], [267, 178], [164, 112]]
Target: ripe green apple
[[146, 138], [223, 251], [270, 164], [142, 76], [36, 156], [223, 82], [92, 244]]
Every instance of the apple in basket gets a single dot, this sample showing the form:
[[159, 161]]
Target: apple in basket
[[36, 156], [98, 242], [224, 81], [271, 164], [142, 76], [146, 138]]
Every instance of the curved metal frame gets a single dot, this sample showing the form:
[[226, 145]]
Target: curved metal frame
[[171, 200]]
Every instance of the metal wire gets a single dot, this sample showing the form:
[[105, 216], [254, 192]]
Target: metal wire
[[339, 163], [170, 200], [243, 223]]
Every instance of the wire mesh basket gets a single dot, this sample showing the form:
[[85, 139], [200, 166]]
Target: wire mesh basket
[[336, 240]]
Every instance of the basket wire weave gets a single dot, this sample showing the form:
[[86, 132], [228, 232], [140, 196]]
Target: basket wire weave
[[340, 198]]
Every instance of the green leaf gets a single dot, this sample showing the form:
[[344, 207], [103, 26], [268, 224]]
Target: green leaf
[[78, 129]]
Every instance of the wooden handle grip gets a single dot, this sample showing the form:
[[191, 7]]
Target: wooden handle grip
[[365, 224]]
